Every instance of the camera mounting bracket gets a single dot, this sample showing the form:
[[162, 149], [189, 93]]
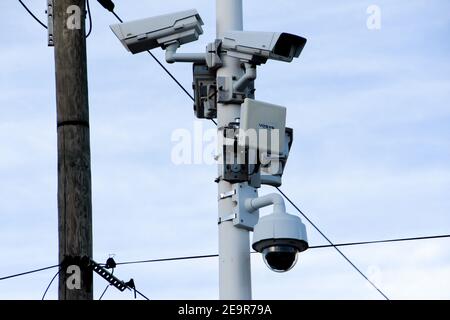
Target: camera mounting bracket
[[241, 216]]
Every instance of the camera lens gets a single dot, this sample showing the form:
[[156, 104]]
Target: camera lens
[[280, 258]]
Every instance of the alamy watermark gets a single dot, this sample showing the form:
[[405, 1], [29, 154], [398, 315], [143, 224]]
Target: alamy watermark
[[374, 19], [74, 19], [73, 281], [228, 145], [375, 275]]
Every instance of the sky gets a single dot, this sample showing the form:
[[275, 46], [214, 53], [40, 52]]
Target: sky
[[371, 156]]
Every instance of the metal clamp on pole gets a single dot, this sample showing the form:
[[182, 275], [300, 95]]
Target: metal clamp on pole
[[244, 218], [49, 12], [227, 194], [227, 218], [205, 92]]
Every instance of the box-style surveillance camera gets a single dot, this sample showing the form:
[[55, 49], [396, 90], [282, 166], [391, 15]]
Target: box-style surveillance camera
[[272, 168], [160, 31], [258, 47], [263, 126]]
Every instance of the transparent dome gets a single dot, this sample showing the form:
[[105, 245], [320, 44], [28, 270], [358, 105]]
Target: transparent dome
[[280, 258]]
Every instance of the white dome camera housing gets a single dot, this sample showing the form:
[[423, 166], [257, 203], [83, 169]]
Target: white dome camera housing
[[279, 237]]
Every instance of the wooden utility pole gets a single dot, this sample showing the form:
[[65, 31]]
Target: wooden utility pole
[[74, 159]]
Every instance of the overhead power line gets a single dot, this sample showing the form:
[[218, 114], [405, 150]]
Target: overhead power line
[[169, 259], [90, 18], [32, 14], [382, 241], [141, 294], [107, 286], [347, 244], [28, 272], [104, 291], [333, 245], [49, 285]]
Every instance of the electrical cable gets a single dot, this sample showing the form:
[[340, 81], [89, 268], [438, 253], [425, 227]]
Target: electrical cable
[[171, 75], [31, 14], [90, 18], [333, 245], [347, 244], [141, 294], [216, 255], [168, 259], [28, 272], [311, 247], [382, 241], [51, 281], [117, 16], [104, 291]]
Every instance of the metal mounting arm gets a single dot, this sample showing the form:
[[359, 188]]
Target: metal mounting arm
[[271, 199], [172, 55], [246, 79]]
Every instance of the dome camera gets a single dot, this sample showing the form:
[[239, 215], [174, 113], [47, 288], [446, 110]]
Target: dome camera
[[279, 237]]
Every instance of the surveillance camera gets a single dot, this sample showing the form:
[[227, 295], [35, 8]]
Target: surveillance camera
[[279, 237], [161, 31], [262, 126], [272, 168], [257, 47]]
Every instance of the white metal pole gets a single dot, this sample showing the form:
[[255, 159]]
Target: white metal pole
[[234, 243]]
